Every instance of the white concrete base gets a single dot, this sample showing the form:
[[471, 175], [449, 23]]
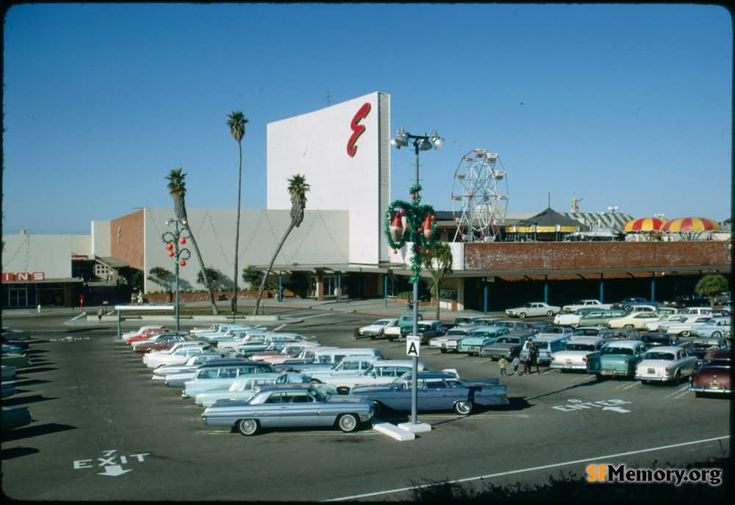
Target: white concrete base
[[415, 428], [393, 431]]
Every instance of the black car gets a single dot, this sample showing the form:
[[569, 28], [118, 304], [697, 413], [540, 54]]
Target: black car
[[425, 330], [656, 338]]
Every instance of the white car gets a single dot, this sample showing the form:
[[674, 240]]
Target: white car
[[380, 373], [290, 351], [716, 327], [655, 324], [533, 309], [665, 364], [584, 304], [576, 353], [189, 367], [686, 327], [177, 355], [375, 329], [244, 389], [635, 320]]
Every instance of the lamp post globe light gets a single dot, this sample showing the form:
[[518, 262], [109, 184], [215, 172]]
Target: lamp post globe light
[[415, 223], [174, 242]]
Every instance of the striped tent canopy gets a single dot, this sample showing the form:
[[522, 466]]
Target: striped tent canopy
[[690, 224], [546, 221], [643, 224]]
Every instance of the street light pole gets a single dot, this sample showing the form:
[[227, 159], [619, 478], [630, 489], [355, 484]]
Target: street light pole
[[173, 242], [420, 228]]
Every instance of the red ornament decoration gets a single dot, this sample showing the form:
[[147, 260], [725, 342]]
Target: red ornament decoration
[[169, 246], [171, 254], [182, 263], [428, 229], [396, 226], [182, 240]]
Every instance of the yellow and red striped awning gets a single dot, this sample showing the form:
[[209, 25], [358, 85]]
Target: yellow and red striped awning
[[643, 224], [690, 224]]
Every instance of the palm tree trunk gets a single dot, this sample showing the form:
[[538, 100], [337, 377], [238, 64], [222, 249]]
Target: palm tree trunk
[[237, 236], [270, 266], [180, 211], [436, 296]]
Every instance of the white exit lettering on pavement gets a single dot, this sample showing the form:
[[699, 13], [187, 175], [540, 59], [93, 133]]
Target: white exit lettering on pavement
[[608, 405], [110, 462]]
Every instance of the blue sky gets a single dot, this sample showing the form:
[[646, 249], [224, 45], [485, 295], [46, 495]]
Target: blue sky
[[619, 105]]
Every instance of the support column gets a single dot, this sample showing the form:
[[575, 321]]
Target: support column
[[602, 289], [319, 286], [485, 294], [385, 288], [653, 287], [546, 289]]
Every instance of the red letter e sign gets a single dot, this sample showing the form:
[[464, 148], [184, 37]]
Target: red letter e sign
[[357, 129]]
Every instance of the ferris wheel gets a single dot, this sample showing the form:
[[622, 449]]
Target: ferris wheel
[[479, 196]]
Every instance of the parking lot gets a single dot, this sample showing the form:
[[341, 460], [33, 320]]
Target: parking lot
[[104, 431]]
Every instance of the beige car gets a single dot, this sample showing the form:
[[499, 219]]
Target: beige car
[[635, 320]]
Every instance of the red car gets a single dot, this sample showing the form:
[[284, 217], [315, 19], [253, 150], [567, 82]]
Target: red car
[[714, 376], [146, 334], [160, 342]]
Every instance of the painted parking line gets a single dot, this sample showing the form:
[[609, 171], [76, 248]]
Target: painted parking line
[[679, 393], [625, 387], [531, 469]]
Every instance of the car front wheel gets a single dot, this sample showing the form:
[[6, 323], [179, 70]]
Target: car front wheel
[[716, 334], [247, 427], [347, 422], [549, 313], [522, 315], [463, 407]]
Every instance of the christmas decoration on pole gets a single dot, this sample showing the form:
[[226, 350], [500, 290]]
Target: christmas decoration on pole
[[173, 240]]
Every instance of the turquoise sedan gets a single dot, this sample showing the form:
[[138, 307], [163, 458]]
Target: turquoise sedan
[[617, 359]]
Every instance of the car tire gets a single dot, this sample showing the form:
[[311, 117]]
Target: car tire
[[677, 377], [685, 333], [522, 315], [549, 313], [628, 327], [248, 427], [378, 409], [716, 334], [343, 390], [314, 381], [463, 407], [347, 422]]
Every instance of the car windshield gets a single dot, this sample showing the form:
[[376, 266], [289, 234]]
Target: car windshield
[[580, 347], [660, 355], [617, 350]]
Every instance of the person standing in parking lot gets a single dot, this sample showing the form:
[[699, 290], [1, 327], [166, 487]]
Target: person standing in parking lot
[[515, 364], [503, 364], [532, 356]]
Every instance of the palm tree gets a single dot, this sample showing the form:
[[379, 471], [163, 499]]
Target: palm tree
[[439, 263], [177, 188], [297, 188], [236, 122]]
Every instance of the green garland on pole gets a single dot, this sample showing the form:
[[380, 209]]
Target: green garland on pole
[[417, 217]]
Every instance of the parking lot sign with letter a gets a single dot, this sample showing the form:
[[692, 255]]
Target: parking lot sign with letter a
[[413, 345]]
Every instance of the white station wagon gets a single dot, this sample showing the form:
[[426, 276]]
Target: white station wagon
[[665, 364], [576, 353]]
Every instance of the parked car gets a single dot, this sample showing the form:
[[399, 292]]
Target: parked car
[[665, 364], [393, 332], [349, 365], [584, 304], [160, 342], [659, 338], [714, 376], [617, 359], [435, 391], [218, 374], [263, 341], [144, 332], [192, 363], [572, 319], [635, 320], [291, 350], [600, 317], [505, 346], [625, 303], [245, 389], [15, 417], [480, 337], [716, 327], [686, 327], [426, 330], [655, 324], [176, 355], [700, 346], [449, 342], [289, 406], [576, 353], [375, 329], [381, 372], [533, 309]]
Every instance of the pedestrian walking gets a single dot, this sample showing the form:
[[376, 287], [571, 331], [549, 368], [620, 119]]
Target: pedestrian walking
[[532, 356], [503, 364], [524, 366], [99, 313], [515, 364]]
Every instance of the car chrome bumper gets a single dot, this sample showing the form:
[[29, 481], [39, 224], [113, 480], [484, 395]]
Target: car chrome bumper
[[710, 389]]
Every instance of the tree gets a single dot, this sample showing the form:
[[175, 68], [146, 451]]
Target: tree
[[217, 281], [297, 189], [163, 277], [236, 122], [177, 188], [438, 261], [711, 285]]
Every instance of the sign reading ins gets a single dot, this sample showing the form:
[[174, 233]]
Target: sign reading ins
[[22, 276], [357, 128]]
